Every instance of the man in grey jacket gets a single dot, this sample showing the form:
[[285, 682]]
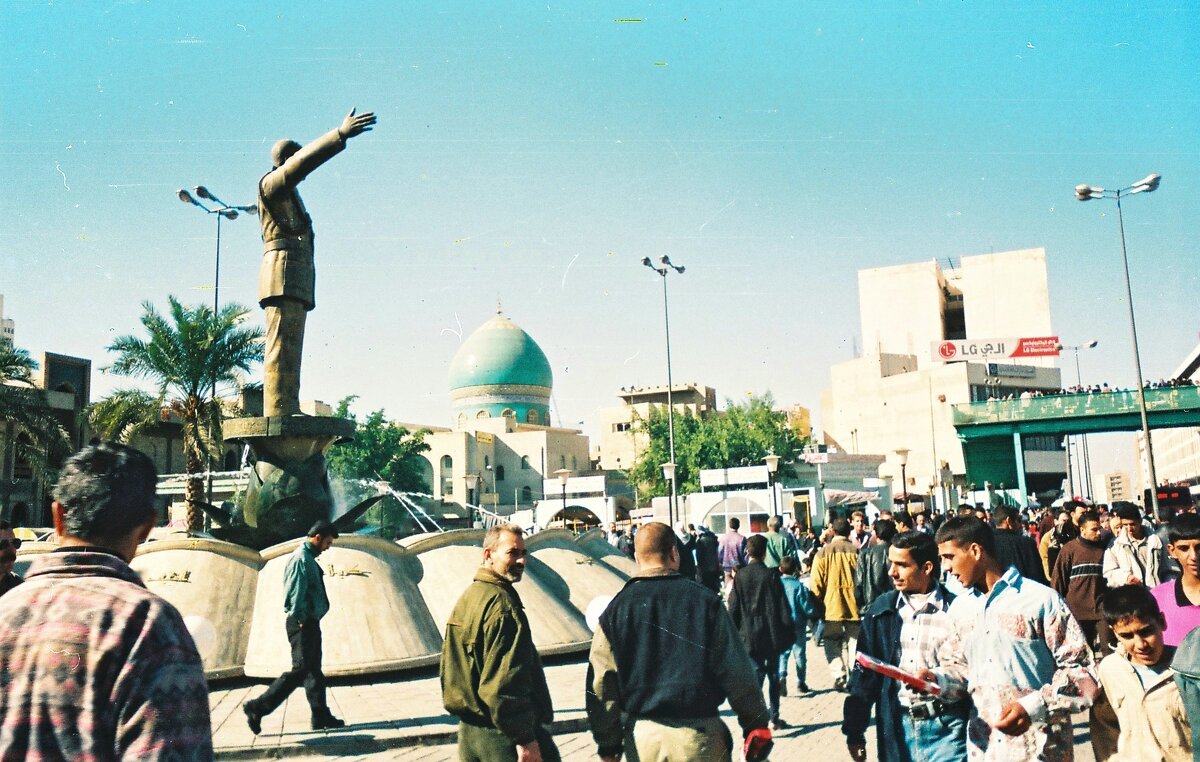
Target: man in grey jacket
[[1137, 556], [871, 578]]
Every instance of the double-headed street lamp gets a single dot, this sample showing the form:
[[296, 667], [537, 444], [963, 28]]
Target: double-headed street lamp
[[1087, 193], [226, 211], [223, 210], [1086, 470], [665, 267]]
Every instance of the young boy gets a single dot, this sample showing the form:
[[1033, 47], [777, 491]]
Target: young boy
[[1179, 599], [803, 607], [1150, 722]]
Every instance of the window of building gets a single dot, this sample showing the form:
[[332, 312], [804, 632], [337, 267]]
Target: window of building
[[562, 461], [508, 412], [499, 473], [447, 475], [462, 420], [532, 416], [524, 462], [486, 461], [526, 494], [622, 426], [481, 414], [574, 463]]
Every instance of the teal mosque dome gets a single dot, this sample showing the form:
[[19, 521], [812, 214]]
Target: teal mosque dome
[[499, 370]]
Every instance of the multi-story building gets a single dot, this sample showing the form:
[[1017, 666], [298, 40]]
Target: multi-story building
[[620, 443], [896, 399], [7, 326], [1117, 487], [1176, 451]]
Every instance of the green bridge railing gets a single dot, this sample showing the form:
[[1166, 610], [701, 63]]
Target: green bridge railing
[[1058, 406]]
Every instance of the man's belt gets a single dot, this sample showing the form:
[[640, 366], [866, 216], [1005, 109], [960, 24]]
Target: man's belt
[[925, 710]]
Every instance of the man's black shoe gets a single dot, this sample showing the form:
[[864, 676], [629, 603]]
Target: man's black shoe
[[253, 718], [328, 722]]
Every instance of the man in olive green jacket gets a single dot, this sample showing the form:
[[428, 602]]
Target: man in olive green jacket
[[492, 676], [833, 585]]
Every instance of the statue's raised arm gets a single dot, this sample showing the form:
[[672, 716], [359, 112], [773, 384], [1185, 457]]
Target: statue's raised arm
[[287, 278]]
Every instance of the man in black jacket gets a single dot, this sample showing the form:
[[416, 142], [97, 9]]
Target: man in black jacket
[[666, 655], [905, 628], [760, 611], [708, 560], [1013, 547], [871, 578]]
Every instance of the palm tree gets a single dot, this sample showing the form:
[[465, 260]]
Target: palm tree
[[38, 437], [187, 355]]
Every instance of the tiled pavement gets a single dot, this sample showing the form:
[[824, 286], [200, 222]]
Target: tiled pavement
[[403, 719]]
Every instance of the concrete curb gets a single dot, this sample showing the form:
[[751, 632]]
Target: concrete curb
[[347, 741]]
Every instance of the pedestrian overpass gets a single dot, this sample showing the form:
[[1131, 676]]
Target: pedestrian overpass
[[991, 431]]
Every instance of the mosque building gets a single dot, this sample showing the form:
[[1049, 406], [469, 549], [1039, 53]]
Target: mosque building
[[502, 447]]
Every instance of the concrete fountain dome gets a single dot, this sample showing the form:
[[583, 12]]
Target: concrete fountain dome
[[499, 370]]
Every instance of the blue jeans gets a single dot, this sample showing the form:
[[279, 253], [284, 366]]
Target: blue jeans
[[940, 739], [800, 652]]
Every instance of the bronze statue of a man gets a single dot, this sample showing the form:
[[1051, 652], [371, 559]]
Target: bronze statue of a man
[[287, 279]]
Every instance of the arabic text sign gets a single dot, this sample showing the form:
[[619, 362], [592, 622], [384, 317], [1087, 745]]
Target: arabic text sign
[[962, 351]]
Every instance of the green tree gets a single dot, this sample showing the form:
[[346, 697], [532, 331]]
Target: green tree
[[191, 355], [741, 435], [380, 450], [38, 437]]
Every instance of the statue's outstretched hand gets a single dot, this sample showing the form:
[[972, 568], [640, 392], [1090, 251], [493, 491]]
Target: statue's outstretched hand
[[356, 124]]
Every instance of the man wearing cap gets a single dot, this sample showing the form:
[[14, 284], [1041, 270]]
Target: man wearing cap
[[305, 603], [287, 278]]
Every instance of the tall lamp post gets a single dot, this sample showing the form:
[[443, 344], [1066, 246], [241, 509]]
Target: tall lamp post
[[668, 470], [902, 456], [563, 475], [1085, 471], [228, 212], [772, 462], [1087, 193], [665, 267]]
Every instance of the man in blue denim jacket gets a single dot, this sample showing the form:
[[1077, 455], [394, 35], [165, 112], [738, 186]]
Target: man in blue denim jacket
[[804, 607], [305, 603]]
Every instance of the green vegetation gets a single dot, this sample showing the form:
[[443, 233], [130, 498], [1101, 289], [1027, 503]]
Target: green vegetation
[[741, 435], [190, 355], [39, 439]]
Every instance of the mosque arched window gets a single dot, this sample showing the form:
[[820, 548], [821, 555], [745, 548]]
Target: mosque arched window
[[524, 462], [499, 473], [532, 416], [508, 412], [481, 414], [447, 475], [462, 420], [574, 463], [526, 494]]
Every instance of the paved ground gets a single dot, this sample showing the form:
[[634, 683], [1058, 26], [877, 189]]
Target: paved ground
[[402, 718]]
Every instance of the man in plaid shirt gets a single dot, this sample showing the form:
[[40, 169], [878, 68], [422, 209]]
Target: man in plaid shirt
[[93, 666]]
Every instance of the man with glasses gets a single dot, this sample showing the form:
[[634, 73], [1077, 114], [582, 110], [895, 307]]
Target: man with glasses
[[8, 556]]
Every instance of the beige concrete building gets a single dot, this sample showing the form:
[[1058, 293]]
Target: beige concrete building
[[799, 419], [619, 445], [7, 326], [898, 395], [1117, 486]]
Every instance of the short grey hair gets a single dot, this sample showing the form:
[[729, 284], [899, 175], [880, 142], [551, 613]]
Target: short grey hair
[[494, 533], [107, 491]]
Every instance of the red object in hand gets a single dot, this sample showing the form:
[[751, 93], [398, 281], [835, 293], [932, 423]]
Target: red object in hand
[[758, 745]]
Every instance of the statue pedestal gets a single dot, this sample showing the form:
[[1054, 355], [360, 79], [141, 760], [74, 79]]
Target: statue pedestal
[[289, 486]]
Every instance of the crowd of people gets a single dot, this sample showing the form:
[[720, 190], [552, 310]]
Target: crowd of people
[[973, 636], [1104, 388]]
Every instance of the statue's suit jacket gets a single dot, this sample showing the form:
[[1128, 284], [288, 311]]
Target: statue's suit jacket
[[287, 268]]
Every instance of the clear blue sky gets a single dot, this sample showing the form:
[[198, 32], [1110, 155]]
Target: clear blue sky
[[536, 152]]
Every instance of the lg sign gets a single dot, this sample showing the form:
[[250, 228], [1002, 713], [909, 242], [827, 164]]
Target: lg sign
[[947, 350]]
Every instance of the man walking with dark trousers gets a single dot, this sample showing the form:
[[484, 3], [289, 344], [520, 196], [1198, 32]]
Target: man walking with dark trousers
[[305, 603], [760, 612]]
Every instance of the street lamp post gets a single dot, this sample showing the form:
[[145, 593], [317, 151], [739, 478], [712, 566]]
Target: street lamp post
[[229, 212], [472, 481], [668, 470], [902, 456], [1147, 184], [1085, 471], [563, 475], [665, 267], [772, 462]]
